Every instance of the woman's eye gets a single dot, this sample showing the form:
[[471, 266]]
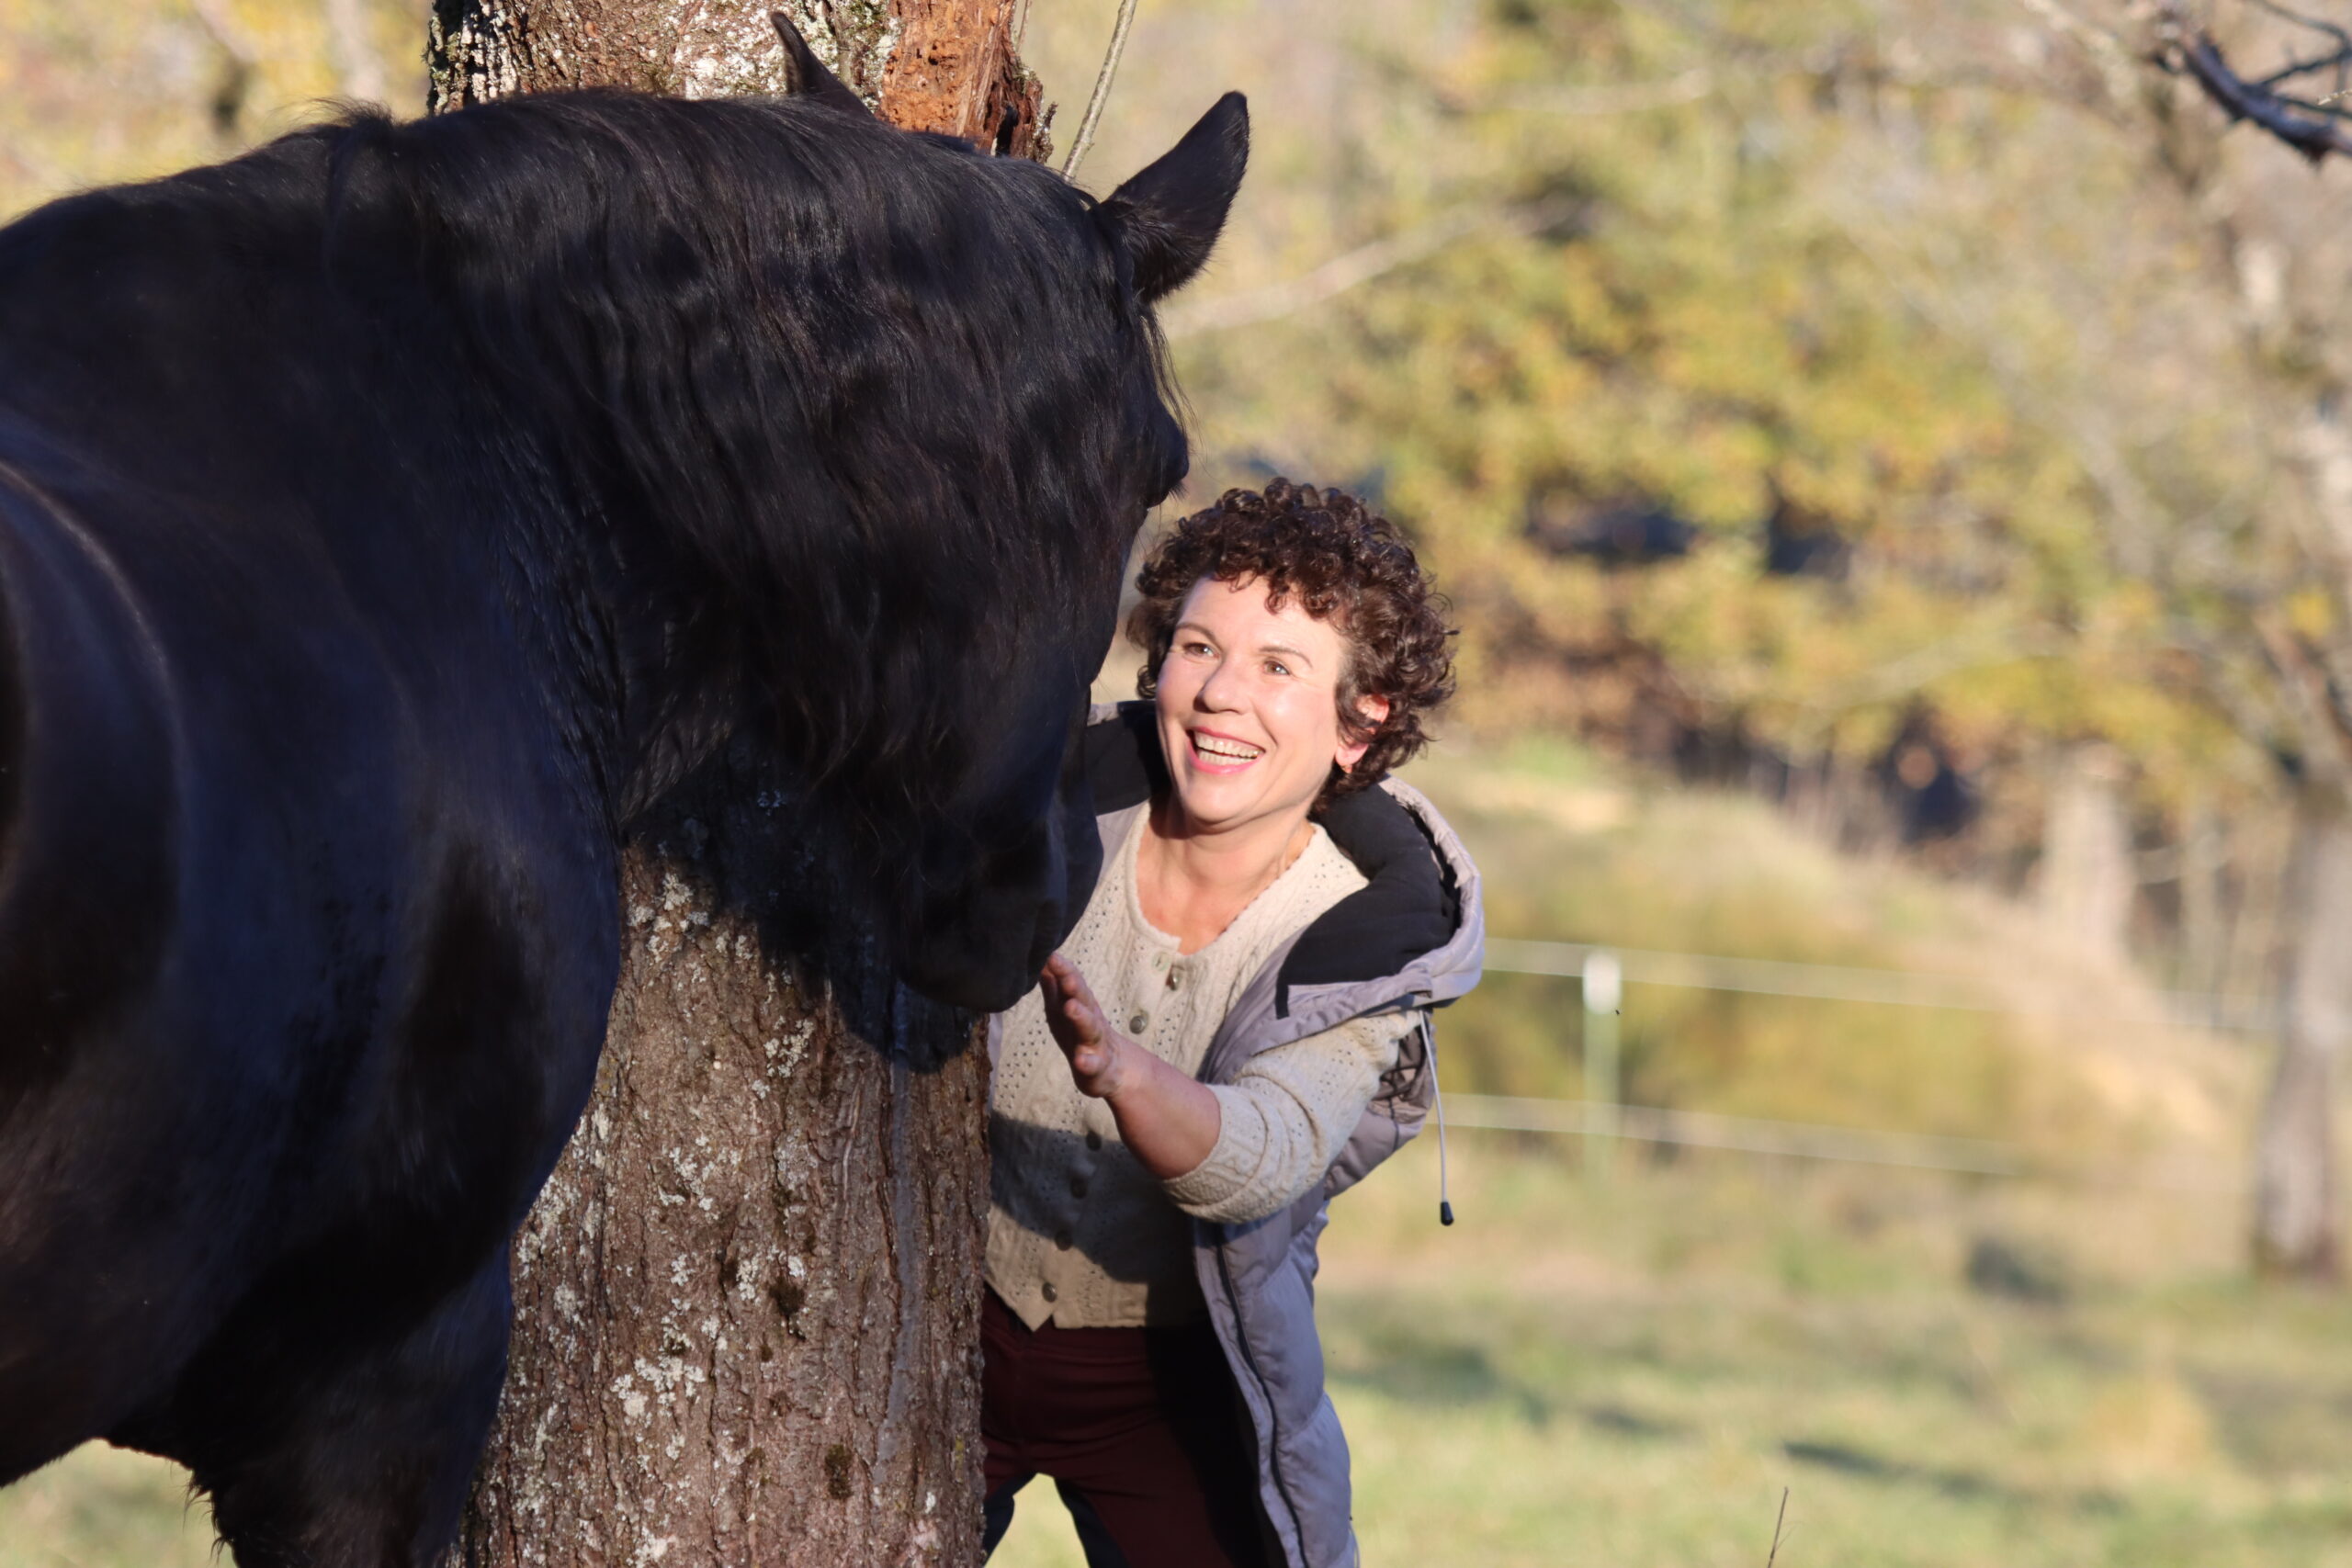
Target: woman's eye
[[1276, 667]]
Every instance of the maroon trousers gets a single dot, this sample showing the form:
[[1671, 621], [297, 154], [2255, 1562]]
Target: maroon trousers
[[1141, 1430]]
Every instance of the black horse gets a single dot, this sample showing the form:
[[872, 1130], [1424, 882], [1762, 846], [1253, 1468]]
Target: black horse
[[387, 517]]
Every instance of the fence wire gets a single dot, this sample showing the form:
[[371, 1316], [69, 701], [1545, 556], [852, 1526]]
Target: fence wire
[[1602, 970], [1813, 1140], [1840, 983]]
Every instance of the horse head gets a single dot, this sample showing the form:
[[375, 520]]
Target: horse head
[[851, 429], [1007, 871]]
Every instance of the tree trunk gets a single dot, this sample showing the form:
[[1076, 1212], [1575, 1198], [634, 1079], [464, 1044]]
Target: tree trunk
[[746, 1304], [944, 65], [2297, 1220], [2086, 881]]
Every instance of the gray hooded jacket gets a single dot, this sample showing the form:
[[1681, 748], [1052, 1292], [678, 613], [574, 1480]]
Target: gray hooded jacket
[[1414, 938]]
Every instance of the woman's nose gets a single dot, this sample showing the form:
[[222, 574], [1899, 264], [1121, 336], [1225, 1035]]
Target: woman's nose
[[1222, 690]]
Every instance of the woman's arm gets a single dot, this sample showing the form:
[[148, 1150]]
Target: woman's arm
[[1169, 1120], [1287, 1117]]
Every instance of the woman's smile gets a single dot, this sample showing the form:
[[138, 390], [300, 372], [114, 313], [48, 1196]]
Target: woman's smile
[[1218, 753]]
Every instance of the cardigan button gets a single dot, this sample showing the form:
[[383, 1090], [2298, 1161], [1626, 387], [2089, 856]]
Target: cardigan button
[[1077, 1187], [1047, 1291], [1139, 1023], [1093, 1140], [1062, 1239]]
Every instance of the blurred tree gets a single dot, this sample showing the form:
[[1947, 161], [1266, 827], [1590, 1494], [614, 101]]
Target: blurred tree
[[2167, 306], [1862, 402], [1614, 320], [748, 1299], [2295, 585], [2156, 314], [1640, 308]]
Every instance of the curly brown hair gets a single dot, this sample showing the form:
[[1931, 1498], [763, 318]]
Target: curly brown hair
[[1345, 564]]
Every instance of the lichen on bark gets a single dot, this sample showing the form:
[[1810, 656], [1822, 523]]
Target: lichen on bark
[[747, 1303], [946, 66]]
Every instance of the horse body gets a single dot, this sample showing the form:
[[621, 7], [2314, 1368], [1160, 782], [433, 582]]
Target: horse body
[[384, 518], [308, 916]]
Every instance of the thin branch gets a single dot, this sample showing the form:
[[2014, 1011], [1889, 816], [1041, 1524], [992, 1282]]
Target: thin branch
[[2316, 106], [2317, 24], [2304, 67], [1354, 268], [1778, 1521], [1085, 137], [2289, 122], [2308, 127]]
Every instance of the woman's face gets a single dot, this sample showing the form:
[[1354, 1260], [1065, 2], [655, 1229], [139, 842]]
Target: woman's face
[[1248, 704]]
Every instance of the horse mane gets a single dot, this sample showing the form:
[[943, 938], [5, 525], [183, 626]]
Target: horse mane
[[781, 352]]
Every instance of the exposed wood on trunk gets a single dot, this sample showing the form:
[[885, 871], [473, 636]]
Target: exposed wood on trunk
[[748, 1302], [953, 70], [943, 65]]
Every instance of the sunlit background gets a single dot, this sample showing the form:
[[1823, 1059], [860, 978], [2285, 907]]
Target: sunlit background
[[1890, 464]]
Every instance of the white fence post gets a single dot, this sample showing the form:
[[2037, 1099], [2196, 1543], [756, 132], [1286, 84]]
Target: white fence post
[[1604, 990]]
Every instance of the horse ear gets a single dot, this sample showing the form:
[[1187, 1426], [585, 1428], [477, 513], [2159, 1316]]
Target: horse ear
[[1169, 216], [809, 77]]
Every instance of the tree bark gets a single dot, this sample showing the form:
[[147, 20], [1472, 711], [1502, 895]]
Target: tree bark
[[943, 65], [747, 1303], [2298, 1221]]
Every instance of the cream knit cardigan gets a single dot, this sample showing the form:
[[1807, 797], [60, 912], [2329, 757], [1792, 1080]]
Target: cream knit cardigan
[[1078, 1232]]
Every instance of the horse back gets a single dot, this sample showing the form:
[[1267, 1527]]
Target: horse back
[[307, 920], [88, 873]]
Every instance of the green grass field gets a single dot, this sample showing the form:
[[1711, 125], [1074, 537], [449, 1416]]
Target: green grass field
[[1630, 1373], [100, 1507]]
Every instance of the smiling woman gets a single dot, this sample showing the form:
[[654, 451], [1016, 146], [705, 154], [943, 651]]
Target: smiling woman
[[1250, 719], [1235, 1029]]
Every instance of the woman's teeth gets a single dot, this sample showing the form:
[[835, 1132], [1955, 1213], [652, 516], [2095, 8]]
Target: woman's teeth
[[1230, 750]]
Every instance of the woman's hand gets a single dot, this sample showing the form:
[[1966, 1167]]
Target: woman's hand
[[1169, 1120], [1097, 1053]]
